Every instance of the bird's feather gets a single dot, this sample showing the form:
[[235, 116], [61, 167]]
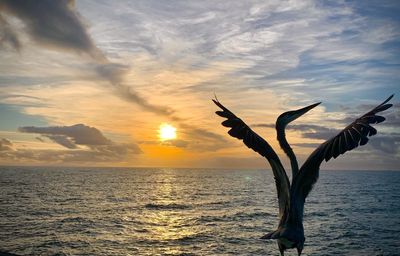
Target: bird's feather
[[242, 131], [354, 135]]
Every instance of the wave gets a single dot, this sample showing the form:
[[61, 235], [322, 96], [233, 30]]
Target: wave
[[238, 216], [76, 220], [4, 253], [171, 206]]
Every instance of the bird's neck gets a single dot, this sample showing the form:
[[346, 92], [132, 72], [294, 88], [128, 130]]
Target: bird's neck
[[281, 136]]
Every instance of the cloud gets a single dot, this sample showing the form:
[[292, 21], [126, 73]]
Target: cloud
[[8, 36], [292, 50], [129, 94], [62, 140], [112, 72], [96, 147], [315, 131], [39, 139], [107, 154], [70, 136], [264, 125], [386, 143], [309, 131], [5, 145], [389, 144], [196, 139], [200, 139], [392, 115], [307, 145], [57, 24], [176, 143], [53, 23]]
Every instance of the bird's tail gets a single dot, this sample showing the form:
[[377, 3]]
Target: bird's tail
[[271, 235]]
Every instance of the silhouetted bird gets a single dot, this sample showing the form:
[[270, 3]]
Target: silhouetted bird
[[291, 197]]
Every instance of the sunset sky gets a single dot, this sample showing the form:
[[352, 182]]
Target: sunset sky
[[89, 83]]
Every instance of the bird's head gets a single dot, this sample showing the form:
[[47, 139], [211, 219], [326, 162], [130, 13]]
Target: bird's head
[[290, 116]]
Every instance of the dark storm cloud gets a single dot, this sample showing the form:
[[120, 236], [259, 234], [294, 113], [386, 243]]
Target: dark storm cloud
[[70, 136], [53, 23]]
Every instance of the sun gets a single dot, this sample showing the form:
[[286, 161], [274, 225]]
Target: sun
[[166, 132]]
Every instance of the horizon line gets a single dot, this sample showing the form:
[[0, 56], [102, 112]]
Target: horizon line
[[169, 167]]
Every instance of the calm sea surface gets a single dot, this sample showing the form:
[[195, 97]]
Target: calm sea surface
[[105, 211]]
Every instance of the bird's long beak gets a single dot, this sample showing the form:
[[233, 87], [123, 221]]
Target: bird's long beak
[[298, 113]]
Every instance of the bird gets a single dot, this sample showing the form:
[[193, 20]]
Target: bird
[[292, 195]]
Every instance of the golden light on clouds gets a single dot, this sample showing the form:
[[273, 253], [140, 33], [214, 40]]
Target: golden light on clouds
[[136, 89], [166, 132]]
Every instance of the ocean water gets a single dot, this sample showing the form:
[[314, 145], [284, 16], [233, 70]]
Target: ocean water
[[106, 211]]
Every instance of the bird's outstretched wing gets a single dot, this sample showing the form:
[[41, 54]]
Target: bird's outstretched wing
[[242, 131], [354, 135]]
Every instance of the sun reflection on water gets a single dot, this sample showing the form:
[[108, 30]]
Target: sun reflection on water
[[171, 222]]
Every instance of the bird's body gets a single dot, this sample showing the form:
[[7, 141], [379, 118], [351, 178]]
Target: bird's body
[[292, 196]]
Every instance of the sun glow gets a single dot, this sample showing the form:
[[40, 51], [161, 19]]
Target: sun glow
[[166, 132]]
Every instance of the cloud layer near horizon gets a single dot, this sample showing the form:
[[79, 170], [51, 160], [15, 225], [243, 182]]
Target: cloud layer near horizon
[[85, 144]]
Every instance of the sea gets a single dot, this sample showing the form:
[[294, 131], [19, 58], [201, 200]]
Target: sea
[[167, 211]]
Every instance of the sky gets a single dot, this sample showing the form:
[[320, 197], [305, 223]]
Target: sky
[[88, 83]]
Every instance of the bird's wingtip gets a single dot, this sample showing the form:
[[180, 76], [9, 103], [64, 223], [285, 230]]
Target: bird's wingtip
[[215, 98], [216, 102], [388, 99]]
